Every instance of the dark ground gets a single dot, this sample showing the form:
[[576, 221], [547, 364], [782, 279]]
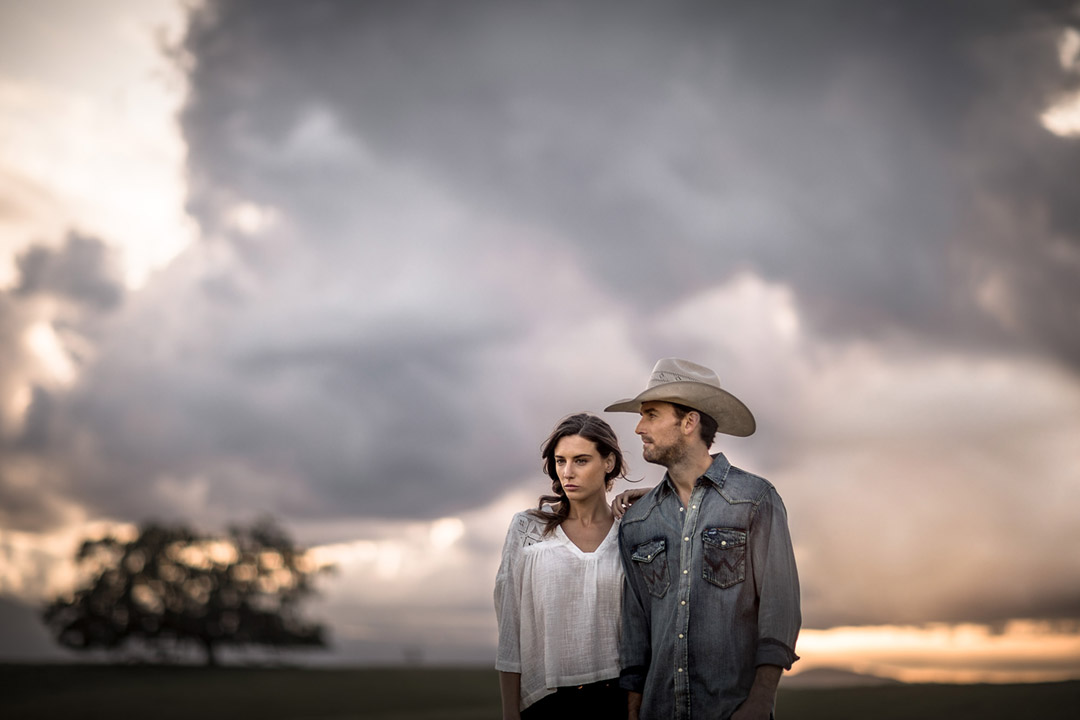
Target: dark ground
[[232, 693]]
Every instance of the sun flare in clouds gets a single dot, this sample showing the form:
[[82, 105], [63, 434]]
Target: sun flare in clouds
[[1063, 117], [100, 150]]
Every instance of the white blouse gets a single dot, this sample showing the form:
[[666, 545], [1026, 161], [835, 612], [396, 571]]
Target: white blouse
[[558, 608]]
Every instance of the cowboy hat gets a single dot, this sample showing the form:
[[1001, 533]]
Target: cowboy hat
[[680, 381]]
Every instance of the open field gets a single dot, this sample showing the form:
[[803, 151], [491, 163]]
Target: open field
[[233, 693]]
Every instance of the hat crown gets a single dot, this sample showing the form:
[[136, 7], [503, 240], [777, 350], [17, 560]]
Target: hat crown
[[669, 370], [682, 382]]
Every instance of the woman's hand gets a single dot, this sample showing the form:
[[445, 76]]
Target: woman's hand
[[625, 499]]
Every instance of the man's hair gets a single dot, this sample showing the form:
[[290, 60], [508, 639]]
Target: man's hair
[[707, 426]]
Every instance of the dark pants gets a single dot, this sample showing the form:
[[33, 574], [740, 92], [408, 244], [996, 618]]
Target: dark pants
[[603, 700]]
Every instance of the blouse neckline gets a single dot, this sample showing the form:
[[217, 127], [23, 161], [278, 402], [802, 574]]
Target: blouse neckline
[[612, 531]]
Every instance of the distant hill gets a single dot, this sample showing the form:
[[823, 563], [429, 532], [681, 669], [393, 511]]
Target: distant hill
[[833, 678]]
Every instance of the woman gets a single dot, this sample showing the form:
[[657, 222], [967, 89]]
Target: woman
[[559, 586]]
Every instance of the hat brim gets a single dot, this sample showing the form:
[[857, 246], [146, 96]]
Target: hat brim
[[731, 415]]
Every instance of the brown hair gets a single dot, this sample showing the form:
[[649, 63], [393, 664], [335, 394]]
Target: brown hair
[[555, 508], [707, 427]]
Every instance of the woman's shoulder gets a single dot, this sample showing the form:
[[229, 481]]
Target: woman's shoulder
[[526, 528]]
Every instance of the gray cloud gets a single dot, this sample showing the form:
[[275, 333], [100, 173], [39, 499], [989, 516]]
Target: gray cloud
[[828, 146], [67, 290], [481, 216], [80, 270]]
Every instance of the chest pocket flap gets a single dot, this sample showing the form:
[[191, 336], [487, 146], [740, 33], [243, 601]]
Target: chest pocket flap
[[646, 551], [724, 557], [650, 560]]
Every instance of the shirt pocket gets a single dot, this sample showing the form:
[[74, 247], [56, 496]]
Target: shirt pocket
[[724, 556], [650, 559]]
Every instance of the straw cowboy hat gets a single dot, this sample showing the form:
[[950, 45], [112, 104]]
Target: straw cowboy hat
[[681, 381]]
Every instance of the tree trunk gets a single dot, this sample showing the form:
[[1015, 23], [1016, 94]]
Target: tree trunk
[[211, 655]]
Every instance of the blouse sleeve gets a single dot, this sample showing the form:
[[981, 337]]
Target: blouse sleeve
[[508, 594]]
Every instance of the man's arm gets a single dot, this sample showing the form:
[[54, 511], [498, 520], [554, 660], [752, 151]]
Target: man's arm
[[633, 705], [759, 703], [777, 584], [779, 616], [625, 499]]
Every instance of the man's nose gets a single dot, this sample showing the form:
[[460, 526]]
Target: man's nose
[[637, 428]]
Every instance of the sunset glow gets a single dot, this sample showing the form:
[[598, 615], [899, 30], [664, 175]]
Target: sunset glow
[[1022, 651]]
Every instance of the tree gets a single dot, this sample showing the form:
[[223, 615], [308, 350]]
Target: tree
[[171, 586]]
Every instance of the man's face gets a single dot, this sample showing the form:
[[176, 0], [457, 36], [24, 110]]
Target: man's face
[[662, 439]]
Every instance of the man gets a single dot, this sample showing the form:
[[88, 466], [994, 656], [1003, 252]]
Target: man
[[711, 597]]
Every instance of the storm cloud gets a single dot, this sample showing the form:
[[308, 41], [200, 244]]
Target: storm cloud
[[843, 149], [428, 230]]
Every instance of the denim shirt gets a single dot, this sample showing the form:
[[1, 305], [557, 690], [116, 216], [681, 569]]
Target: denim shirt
[[711, 592]]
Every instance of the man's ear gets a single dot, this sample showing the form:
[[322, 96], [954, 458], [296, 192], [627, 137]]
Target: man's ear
[[690, 422]]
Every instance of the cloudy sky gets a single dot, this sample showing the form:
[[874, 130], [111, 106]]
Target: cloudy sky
[[348, 262]]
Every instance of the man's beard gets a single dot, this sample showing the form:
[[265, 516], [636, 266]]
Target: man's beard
[[665, 456]]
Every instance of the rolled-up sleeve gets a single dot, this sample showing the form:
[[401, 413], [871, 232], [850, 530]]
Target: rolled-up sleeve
[[508, 601], [634, 648], [779, 614]]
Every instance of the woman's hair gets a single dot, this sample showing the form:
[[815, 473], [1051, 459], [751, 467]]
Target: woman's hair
[[555, 508]]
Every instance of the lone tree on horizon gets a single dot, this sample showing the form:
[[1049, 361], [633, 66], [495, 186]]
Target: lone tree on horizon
[[171, 587]]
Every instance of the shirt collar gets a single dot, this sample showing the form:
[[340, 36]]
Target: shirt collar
[[715, 476], [718, 471]]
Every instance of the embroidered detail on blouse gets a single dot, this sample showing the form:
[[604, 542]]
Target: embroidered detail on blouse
[[529, 530]]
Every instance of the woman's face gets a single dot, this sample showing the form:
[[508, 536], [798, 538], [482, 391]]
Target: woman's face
[[581, 469]]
